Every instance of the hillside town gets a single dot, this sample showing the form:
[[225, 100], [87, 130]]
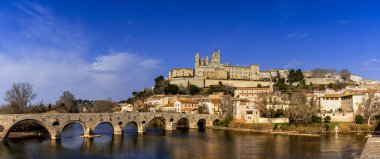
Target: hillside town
[[250, 95]]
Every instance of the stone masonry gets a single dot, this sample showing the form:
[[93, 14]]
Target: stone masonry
[[54, 123]]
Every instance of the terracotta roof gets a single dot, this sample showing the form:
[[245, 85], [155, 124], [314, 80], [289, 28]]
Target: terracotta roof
[[188, 109], [169, 105], [215, 101], [332, 95], [188, 101], [252, 88]]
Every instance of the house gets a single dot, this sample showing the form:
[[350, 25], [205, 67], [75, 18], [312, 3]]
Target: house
[[307, 74], [355, 78], [186, 106], [245, 111], [168, 108], [251, 90], [125, 107]]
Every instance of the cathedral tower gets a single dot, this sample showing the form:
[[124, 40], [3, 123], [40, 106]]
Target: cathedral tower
[[216, 57], [197, 59]]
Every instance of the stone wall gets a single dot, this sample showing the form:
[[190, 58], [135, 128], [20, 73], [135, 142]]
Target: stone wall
[[201, 82], [237, 83], [340, 117], [274, 120], [319, 81]]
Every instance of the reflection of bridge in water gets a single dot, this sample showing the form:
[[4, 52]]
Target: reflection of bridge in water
[[55, 123]]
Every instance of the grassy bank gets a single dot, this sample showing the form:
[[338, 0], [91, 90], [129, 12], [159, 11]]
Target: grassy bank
[[311, 128]]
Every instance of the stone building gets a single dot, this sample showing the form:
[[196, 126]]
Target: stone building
[[181, 72], [214, 69], [208, 72]]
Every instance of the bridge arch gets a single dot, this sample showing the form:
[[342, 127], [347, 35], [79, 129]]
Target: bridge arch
[[131, 126], [50, 130], [67, 123], [156, 124], [202, 123], [97, 124], [183, 123]]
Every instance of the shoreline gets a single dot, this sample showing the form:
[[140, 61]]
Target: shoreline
[[25, 135], [289, 133]]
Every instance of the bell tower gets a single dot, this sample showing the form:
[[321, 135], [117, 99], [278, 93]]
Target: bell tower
[[216, 57], [197, 59]]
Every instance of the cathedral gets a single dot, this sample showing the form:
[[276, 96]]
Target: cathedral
[[215, 70]]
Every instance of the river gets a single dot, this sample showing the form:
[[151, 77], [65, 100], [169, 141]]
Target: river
[[181, 144]]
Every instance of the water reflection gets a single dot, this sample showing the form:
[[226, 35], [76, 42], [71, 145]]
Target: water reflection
[[184, 143]]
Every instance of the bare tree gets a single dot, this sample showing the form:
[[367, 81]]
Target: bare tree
[[102, 106], [203, 109], [369, 106], [267, 103], [67, 101], [19, 96], [302, 108], [345, 74], [227, 106]]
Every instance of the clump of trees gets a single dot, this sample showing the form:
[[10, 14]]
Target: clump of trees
[[296, 76], [296, 80], [67, 103]]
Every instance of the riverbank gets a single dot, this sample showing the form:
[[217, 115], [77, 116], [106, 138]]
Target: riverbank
[[312, 129], [26, 135]]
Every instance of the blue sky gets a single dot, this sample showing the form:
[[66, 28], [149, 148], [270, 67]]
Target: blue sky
[[100, 49]]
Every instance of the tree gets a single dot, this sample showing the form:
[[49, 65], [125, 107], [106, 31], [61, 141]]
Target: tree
[[316, 119], [226, 106], [295, 76], [103, 106], [171, 89], [302, 108], [359, 119], [345, 74], [203, 109], [267, 103], [193, 89], [369, 106], [292, 76], [159, 85], [67, 101], [327, 119], [299, 76], [19, 96], [280, 85]]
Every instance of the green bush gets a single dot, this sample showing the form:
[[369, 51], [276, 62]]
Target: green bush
[[316, 119], [225, 122], [359, 119], [327, 119]]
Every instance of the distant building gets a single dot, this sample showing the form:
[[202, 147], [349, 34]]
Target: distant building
[[251, 90], [355, 78], [125, 107], [307, 74]]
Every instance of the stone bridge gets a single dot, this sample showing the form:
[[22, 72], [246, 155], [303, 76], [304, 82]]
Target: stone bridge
[[55, 123]]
